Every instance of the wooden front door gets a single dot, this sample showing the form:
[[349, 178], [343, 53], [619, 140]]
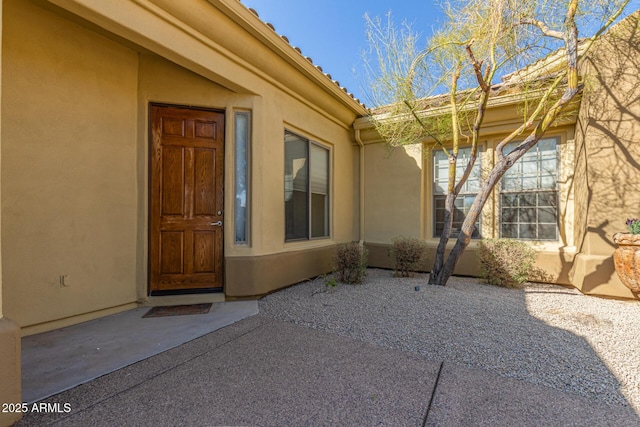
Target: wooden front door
[[186, 208]]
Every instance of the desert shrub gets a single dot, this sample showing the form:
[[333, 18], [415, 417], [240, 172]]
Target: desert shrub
[[406, 253], [537, 274], [330, 282], [505, 262], [350, 262]]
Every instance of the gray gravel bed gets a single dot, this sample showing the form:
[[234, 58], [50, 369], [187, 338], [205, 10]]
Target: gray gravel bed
[[544, 334]]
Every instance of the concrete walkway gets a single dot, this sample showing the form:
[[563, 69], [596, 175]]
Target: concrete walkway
[[260, 371], [64, 358]]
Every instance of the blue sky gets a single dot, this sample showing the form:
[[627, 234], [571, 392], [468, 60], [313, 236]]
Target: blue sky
[[332, 32]]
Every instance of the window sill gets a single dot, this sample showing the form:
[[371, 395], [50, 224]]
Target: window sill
[[318, 242], [539, 246]]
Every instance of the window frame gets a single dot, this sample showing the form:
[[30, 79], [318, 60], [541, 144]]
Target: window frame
[[309, 199], [247, 178], [534, 191], [463, 192]]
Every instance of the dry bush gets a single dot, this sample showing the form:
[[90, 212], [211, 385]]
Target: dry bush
[[350, 262], [505, 262], [407, 253]]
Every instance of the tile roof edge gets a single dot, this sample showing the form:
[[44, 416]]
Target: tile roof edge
[[250, 19]]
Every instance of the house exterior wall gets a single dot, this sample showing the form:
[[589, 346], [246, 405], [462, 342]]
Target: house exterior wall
[[598, 172], [68, 196], [79, 78], [607, 152], [256, 268], [10, 337], [275, 87], [399, 202], [394, 183]]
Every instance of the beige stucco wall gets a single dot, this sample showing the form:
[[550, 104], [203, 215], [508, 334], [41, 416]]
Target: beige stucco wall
[[393, 192], [75, 152], [10, 369], [399, 199], [68, 177], [161, 81], [607, 149], [10, 340]]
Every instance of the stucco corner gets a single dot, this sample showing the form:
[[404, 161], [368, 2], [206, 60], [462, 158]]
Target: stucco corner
[[10, 386]]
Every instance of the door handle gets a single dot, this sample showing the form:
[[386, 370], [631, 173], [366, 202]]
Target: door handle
[[219, 223]]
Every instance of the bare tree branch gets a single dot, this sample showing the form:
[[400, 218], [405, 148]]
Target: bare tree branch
[[542, 26]]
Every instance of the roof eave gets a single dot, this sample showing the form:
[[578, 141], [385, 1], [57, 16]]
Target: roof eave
[[265, 33]]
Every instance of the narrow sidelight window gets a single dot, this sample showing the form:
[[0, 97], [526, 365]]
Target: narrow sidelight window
[[306, 188], [241, 180]]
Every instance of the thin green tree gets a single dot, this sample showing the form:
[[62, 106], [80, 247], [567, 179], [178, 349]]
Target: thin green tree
[[479, 41]]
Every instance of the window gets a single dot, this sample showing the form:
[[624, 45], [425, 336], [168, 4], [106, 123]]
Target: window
[[306, 188], [529, 194], [241, 177], [466, 196]]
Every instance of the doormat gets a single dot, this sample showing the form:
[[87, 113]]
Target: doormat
[[178, 310]]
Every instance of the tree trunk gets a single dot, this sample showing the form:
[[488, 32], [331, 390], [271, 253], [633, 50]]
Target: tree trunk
[[504, 164], [470, 222], [444, 238]]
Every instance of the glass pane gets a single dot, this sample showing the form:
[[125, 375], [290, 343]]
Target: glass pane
[[513, 171], [440, 167], [547, 144], [529, 182], [441, 171], [527, 215], [463, 202], [509, 148], [461, 208], [536, 211], [296, 187], [547, 199], [547, 232], [509, 231], [319, 215], [547, 215], [530, 167], [527, 231], [528, 199], [548, 181], [510, 184], [468, 201], [509, 215], [440, 158], [440, 187], [473, 185], [241, 176], [319, 170], [509, 200], [319, 191], [548, 166], [458, 215]]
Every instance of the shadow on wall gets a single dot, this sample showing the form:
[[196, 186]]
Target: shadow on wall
[[608, 145], [393, 190]]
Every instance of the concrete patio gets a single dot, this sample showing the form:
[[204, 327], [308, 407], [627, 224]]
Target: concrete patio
[[262, 371]]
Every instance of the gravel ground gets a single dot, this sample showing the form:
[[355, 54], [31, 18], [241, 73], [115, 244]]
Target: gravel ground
[[543, 334]]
